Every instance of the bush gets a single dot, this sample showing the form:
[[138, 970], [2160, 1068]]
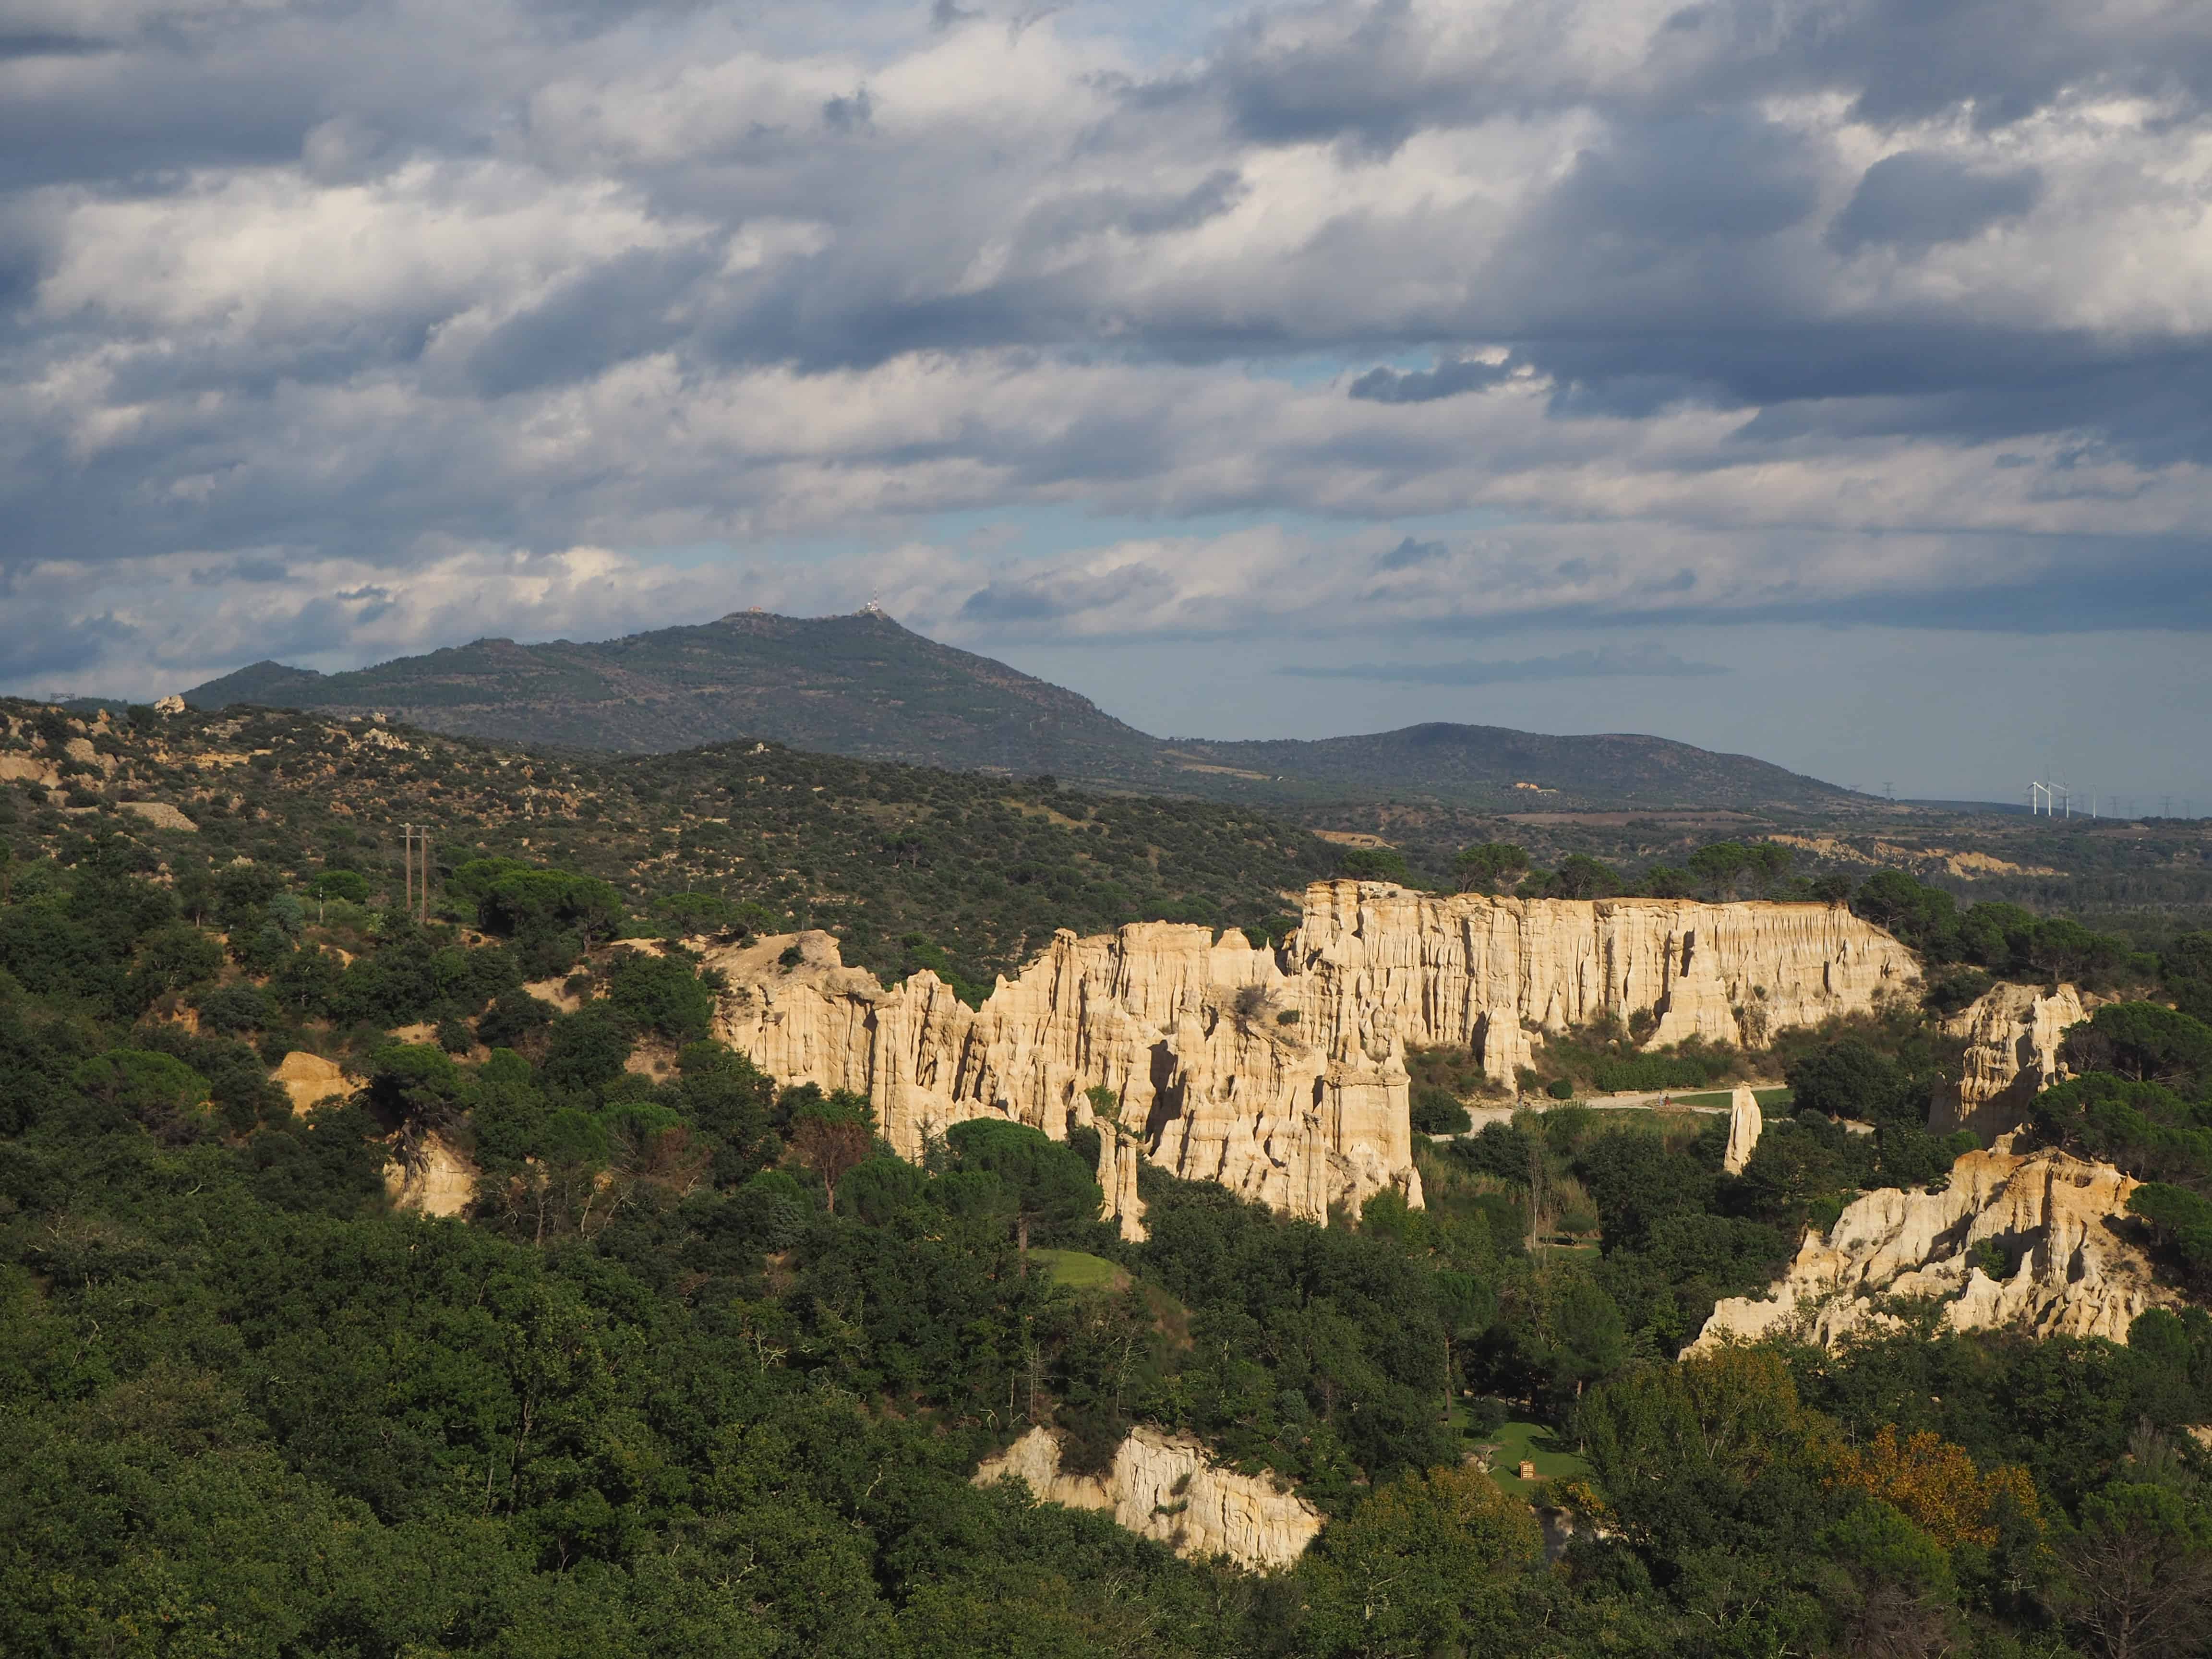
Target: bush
[[663, 995], [512, 1016], [770, 1211], [232, 1009], [349, 885], [1560, 1088], [1647, 1072], [1437, 1111], [1848, 1079]]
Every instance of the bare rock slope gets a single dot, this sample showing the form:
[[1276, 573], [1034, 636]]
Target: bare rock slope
[[2035, 1242], [1165, 1486], [1281, 1073]]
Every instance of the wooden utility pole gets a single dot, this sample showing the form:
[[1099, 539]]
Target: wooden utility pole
[[407, 863]]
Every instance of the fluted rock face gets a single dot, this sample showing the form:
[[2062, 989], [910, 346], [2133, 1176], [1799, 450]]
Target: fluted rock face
[[1282, 1074], [1451, 969], [1182, 1032], [1165, 1487], [2063, 1269], [2012, 1034]]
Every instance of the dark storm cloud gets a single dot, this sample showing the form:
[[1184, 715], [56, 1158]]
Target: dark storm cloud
[[1035, 599], [1916, 199], [1409, 553], [2001, 60], [1724, 177], [600, 318], [35, 44], [1448, 379]]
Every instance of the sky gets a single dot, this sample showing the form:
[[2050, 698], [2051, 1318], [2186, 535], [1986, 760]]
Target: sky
[[1824, 380]]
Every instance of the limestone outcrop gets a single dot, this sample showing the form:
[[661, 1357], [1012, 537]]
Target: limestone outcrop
[[2012, 1034], [1746, 1121], [1166, 1487], [2035, 1242], [1281, 1072]]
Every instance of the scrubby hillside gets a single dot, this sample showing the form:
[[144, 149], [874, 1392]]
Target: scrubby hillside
[[907, 865], [701, 1368]]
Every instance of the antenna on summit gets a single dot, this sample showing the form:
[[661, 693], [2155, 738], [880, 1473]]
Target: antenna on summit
[[872, 608]]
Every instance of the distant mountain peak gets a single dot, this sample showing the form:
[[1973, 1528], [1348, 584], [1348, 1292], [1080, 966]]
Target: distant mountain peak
[[864, 684]]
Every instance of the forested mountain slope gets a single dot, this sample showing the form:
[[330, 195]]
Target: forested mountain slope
[[705, 1370], [863, 686]]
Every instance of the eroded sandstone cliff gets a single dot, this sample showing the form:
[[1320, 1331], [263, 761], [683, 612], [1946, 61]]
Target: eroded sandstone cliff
[[1281, 1073], [2037, 1242], [1166, 1487], [2012, 1034]]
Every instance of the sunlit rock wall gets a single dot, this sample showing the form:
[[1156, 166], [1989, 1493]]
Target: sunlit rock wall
[[1281, 1073]]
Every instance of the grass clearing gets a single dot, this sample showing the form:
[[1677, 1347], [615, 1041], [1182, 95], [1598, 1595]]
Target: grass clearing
[[1766, 1097], [1080, 1270], [1554, 1456]]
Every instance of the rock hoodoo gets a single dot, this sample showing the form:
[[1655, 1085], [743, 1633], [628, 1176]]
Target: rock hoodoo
[[1281, 1073], [2025, 1241], [2012, 1033], [1745, 1123], [1166, 1487]]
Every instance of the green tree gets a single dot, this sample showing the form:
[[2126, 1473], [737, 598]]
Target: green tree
[[349, 885], [1437, 1111], [2146, 1043], [1926, 918], [833, 1134], [1373, 864], [1581, 877], [1051, 1185], [159, 1090], [1766, 865], [1850, 1078], [1719, 867], [662, 994], [173, 957], [2141, 1570], [1427, 1563], [1489, 867], [1588, 1340], [693, 913]]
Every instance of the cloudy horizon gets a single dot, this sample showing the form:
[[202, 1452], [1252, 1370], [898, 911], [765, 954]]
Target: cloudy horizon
[[1312, 366]]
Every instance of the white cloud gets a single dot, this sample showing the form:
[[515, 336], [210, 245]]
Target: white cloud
[[398, 290]]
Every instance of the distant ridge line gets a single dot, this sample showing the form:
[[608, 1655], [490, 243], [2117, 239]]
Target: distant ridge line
[[862, 685]]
